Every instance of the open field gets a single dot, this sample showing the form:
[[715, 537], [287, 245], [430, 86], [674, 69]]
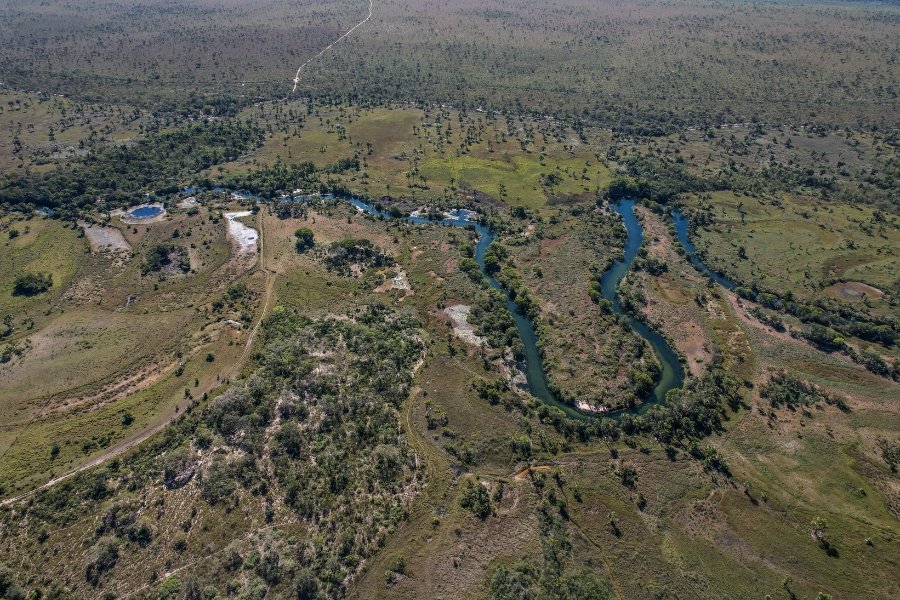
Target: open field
[[803, 245], [41, 130], [431, 154], [109, 350]]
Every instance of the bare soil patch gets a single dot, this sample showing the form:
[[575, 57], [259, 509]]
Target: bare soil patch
[[105, 239], [398, 282], [853, 290], [459, 315]]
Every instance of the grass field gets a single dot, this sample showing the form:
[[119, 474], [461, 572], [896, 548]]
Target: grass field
[[40, 246], [431, 154], [803, 245], [107, 341]]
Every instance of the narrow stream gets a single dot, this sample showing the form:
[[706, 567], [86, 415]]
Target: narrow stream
[[682, 230], [672, 373]]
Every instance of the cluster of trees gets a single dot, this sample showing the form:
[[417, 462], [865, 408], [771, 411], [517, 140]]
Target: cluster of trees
[[120, 174], [476, 498], [273, 180], [305, 239], [663, 179], [9, 589], [166, 255], [655, 178], [495, 324], [32, 284], [784, 389], [343, 254], [689, 414], [828, 313], [828, 340]]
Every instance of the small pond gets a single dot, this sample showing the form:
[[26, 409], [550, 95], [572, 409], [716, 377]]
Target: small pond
[[147, 211]]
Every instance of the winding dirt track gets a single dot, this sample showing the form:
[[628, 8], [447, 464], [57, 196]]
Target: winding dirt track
[[329, 46], [141, 436]]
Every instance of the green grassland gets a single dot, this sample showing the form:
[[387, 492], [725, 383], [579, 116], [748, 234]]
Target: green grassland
[[801, 244], [429, 154], [41, 246], [108, 340]]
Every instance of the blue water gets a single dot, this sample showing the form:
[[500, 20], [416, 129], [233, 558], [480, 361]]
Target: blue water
[[534, 368], [145, 212], [536, 377], [682, 227], [672, 375]]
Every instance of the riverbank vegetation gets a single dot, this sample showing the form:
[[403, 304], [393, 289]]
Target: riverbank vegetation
[[339, 407]]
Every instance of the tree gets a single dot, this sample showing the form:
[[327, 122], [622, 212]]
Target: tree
[[491, 263], [9, 589], [476, 499], [306, 585], [32, 284], [305, 239]]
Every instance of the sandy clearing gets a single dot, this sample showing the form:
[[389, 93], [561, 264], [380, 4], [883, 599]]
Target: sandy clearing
[[108, 239], [459, 315], [399, 282], [853, 290], [243, 235]]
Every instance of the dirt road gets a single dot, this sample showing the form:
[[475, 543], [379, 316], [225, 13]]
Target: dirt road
[[329, 46]]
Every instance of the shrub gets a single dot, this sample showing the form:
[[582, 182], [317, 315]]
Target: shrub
[[164, 255], [178, 468], [32, 284], [9, 589], [476, 498], [103, 557], [218, 482], [169, 587], [305, 239]]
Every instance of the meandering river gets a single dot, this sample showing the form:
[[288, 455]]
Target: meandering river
[[682, 230], [672, 373]]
